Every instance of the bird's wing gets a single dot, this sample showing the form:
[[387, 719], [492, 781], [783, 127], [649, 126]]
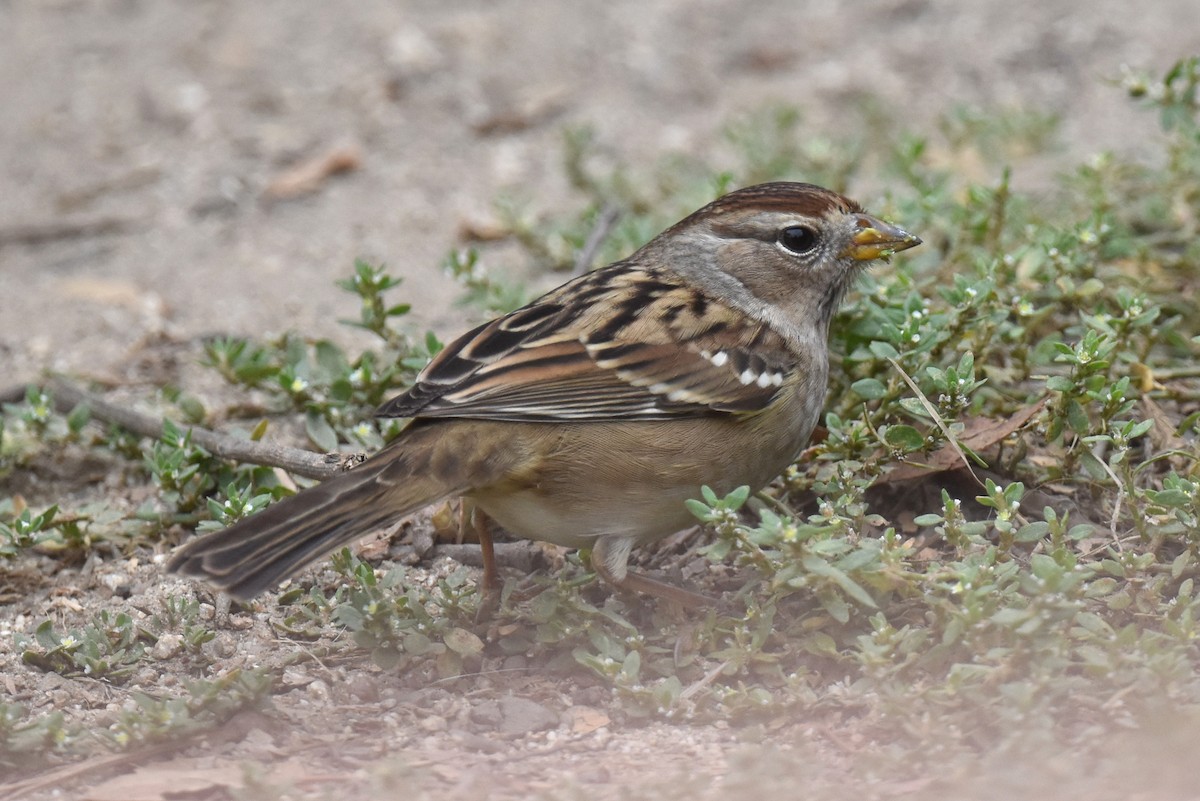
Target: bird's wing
[[620, 343]]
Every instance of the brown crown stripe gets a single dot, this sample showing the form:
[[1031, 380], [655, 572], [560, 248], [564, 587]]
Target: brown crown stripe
[[806, 199]]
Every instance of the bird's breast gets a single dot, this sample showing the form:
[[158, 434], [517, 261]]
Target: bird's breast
[[631, 479]]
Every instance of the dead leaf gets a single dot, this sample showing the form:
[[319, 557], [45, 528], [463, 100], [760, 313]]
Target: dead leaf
[[483, 229], [374, 549], [285, 479], [1145, 377], [1162, 433], [585, 719], [979, 434], [508, 116], [307, 176]]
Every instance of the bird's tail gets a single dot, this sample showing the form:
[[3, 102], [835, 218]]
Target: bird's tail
[[257, 553]]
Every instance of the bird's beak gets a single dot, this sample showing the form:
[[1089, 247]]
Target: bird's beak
[[876, 239]]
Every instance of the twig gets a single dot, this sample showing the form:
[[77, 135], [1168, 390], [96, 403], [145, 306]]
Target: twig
[[1116, 512], [705, 680], [57, 777], [295, 460], [605, 221], [41, 233], [1185, 371], [518, 555], [937, 418]]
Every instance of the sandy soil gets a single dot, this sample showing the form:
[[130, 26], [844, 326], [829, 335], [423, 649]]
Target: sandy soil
[[141, 142], [138, 138]]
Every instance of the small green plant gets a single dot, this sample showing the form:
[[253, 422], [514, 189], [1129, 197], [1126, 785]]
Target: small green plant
[[180, 617], [27, 427], [23, 739], [148, 719], [25, 530], [393, 620], [483, 291], [336, 393], [109, 648]]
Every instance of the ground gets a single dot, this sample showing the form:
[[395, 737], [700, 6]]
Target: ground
[[148, 152]]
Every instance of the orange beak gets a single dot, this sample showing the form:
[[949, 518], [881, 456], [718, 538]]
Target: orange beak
[[878, 240]]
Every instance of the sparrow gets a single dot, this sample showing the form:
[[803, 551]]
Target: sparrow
[[589, 416]]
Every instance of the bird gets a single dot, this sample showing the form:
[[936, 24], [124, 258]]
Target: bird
[[589, 416]]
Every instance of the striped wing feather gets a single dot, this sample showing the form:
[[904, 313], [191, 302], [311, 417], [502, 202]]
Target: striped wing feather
[[618, 343]]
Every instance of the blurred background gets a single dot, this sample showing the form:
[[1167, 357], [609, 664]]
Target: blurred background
[[212, 166]]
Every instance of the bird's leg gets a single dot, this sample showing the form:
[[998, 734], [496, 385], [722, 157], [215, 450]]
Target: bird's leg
[[610, 560], [490, 597]]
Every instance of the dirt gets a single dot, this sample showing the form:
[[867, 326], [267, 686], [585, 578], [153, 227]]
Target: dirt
[[163, 173]]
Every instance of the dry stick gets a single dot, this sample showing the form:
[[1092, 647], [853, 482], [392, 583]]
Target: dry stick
[[937, 418], [301, 462], [1116, 512], [43, 233], [607, 218], [56, 778]]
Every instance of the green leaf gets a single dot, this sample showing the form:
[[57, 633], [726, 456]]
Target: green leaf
[[417, 644], [1093, 466], [883, 350], [1010, 616], [737, 499], [869, 388], [1032, 532], [319, 431], [820, 644], [835, 605], [349, 616], [631, 668], [667, 692], [904, 438], [331, 360], [1139, 429], [386, 658], [1044, 567], [1170, 498], [46, 636], [193, 410], [1077, 418], [819, 567], [463, 642], [699, 509], [78, 418], [858, 559]]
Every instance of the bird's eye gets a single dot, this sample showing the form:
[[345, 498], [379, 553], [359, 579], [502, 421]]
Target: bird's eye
[[799, 239]]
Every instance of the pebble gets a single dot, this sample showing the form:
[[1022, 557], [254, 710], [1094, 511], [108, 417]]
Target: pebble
[[521, 716]]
